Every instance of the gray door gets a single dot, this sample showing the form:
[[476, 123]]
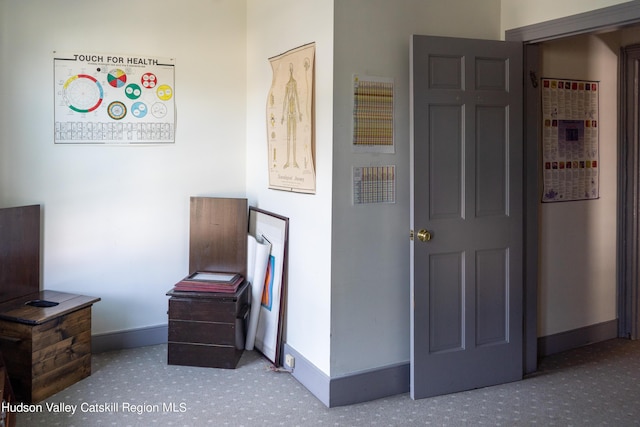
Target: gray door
[[467, 213]]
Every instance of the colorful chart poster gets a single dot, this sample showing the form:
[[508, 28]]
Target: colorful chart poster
[[113, 99], [373, 114], [570, 150]]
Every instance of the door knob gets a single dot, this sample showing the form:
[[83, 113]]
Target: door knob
[[424, 235]]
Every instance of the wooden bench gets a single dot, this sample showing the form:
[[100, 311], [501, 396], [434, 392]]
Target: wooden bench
[[46, 348]]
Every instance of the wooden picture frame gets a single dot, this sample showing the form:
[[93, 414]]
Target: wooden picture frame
[[267, 226]]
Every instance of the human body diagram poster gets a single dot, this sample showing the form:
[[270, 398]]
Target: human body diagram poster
[[113, 99], [290, 122], [570, 140]]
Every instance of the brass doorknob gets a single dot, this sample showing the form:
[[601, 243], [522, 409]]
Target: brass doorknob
[[424, 235]]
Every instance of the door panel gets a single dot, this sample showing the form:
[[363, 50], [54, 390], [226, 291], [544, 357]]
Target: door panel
[[446, 313], [467, 191], [491, 165], [445, 161], [492, 293]]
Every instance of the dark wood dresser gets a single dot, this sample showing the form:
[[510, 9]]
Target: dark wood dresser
[[207, 329]]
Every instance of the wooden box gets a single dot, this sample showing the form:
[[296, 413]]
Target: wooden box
[[7, 417], [46, 349], [208, 328]]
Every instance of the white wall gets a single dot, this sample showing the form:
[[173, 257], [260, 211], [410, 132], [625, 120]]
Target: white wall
[[116, 218], [370, 257], [275, 27], [519, 13], [578, 239]]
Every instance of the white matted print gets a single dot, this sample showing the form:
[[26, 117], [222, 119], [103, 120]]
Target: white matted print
[[268, 227]]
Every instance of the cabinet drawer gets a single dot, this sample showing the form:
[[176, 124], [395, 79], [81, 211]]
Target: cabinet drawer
[[202, 332], [209, 356], [208, 310]]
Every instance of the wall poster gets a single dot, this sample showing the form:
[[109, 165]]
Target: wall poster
[[113, 99], [374, 184], [372, 114], [570, 149], [290, 121]]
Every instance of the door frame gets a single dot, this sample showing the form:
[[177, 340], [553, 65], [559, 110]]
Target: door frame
[[608, 18], [629, 194]]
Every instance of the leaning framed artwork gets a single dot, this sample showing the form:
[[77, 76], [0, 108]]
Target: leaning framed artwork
[[274, 229]]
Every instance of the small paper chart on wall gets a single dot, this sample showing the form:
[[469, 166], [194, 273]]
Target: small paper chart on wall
[[570, 149], [374, 184], [113, 99], [373, 109]]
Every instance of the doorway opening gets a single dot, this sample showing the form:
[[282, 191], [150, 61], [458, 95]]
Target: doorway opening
[[606, 19]]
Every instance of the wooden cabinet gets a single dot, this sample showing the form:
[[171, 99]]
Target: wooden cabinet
[[45, 336], [207, 329], [46, 349]]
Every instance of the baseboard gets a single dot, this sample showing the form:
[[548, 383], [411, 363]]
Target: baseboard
[[370, 385], [129, 339], [353, 388], [314, 380], [575, 338]]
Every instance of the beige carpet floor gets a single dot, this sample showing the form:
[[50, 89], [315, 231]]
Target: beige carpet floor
[[597, 385]]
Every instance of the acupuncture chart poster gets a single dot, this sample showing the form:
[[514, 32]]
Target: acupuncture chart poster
[[113, 99], [373, 110], [570, 140]]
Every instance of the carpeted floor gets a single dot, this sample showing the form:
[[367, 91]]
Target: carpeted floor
[[597, 385]]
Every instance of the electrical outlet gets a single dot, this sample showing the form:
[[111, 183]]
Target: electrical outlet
[[290, 361]]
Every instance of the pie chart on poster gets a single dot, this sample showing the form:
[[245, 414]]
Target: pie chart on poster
[[117, 78], [117, 110], [133, 91], [164, 92], [83, 93], [149, 80], [159, 110], [139, 109]]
